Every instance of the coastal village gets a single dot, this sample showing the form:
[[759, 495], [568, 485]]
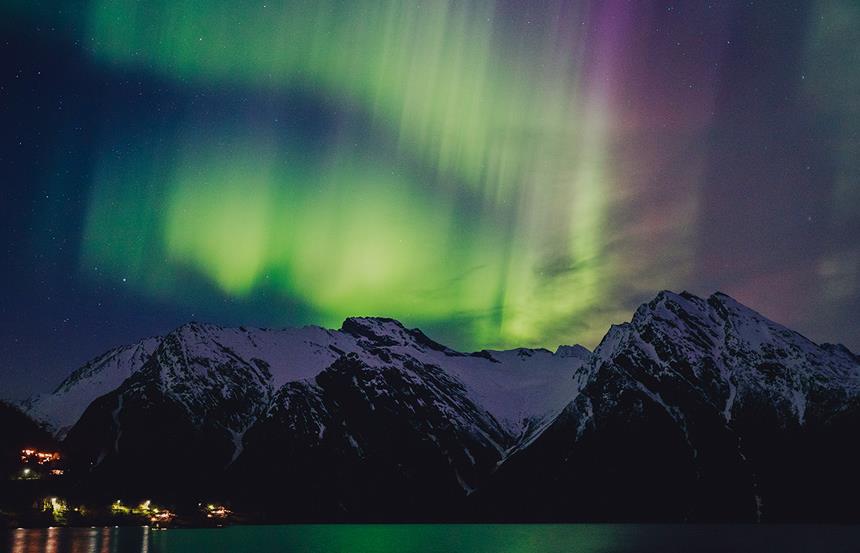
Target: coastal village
[[42, 475]]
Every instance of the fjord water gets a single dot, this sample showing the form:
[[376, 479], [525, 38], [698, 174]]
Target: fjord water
[[442, 538]]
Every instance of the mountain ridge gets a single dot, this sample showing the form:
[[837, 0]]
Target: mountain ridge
[[697, 409], [705, 393], [327, 343]]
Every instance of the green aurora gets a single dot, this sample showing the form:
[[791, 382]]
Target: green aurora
[[498, 173], [467, 119]]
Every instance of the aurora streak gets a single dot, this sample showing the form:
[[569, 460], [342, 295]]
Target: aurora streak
[[486, 185]]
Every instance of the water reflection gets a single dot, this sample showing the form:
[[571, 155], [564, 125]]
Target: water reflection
[[144, 548], [106, 541], [85, 542], [405, 538], [51, 541], [77, 540]]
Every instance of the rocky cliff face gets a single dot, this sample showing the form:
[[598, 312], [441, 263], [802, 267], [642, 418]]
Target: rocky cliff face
[[370, 440]]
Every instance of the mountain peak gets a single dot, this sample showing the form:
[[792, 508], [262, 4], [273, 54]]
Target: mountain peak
[[377, 329], [727, 300], [196, 327], [578, 351], [672, 294], [372, 322], [728, 350], [668, 305], [390, 332]]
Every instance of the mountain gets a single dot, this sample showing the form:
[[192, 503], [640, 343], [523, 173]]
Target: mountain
[[698, 409], [368, 438], [62, 408], [521, 387], [208, 399]]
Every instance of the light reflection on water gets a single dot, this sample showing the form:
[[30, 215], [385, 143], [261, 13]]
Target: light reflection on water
[[391, 538], [78, 540]]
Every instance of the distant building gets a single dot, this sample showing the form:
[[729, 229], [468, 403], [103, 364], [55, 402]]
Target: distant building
[[217, 512], [37, 464], [39, 457]]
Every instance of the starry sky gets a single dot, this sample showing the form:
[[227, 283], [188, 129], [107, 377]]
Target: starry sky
[[499, 173]]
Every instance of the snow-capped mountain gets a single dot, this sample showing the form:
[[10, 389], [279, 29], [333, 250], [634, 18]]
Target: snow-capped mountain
[[519, 387], [210, 389], [733, 355], [697, 409]]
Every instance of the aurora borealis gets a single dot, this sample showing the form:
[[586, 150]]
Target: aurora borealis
[[499, 173], [415, 224]]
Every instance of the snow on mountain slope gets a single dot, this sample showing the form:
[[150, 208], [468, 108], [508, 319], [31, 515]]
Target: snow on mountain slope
[[728, 353], [697, 409], [520, 388], [290, 354], [399, 426], [61, 408]]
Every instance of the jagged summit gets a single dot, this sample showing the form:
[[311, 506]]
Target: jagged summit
[[195, 326], [577, 350], [380, 323], [726, 351], [391, 332]]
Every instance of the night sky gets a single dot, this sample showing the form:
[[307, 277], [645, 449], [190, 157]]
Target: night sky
[[497, 173]]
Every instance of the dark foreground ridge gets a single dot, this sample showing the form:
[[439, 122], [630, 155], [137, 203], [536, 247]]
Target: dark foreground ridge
[[699, 409]]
